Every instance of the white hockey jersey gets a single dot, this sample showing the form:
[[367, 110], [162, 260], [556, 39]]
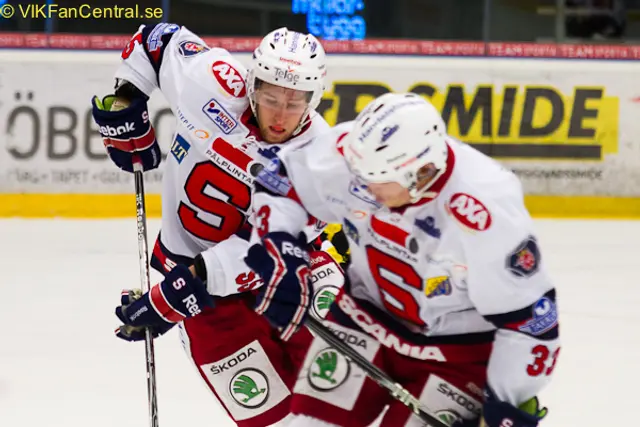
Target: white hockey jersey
[[465, 262], [216, 150]]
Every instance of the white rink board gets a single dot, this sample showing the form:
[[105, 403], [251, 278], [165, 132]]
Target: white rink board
[[50, 143]]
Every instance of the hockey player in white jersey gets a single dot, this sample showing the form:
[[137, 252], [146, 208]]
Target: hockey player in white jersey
[[447, 290], [230, 122]]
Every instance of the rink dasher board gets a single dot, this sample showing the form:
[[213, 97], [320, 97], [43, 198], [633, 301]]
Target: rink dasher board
[[566, 127]]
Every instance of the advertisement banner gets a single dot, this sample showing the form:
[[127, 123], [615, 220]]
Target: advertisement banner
[[566, 127]]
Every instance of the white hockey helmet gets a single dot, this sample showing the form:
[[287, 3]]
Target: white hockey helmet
[[292, 60], [393, 138]]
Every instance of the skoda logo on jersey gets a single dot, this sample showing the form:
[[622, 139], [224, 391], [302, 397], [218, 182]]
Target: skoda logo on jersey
[[448, 416], [218, 115], [545, 317], [249, 388], [323, 298], [330, 369]]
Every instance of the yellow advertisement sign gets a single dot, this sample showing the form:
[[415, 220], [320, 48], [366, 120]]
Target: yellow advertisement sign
[[507, 121]]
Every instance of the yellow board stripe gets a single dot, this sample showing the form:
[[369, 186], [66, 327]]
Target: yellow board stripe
[[75, 205], [123, 205]]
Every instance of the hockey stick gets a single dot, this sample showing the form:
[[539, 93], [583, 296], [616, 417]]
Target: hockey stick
[[143, 252], [375, 373]]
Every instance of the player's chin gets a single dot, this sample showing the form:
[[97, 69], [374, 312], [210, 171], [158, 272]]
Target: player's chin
[[276, 136]]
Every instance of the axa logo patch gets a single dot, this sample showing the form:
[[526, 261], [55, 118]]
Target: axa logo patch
[[329, 370], [188, 48], [249, 388], [229, 78], [218, 115], [469, 211]]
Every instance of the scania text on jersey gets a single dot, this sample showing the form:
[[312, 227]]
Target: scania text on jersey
[[385, 336]]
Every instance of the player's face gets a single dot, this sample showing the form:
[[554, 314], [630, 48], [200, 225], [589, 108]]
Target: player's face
[[390, 194], [279, 111]]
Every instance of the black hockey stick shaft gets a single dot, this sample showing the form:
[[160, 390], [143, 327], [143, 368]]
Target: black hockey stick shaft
[[375, 373], [143, 252]]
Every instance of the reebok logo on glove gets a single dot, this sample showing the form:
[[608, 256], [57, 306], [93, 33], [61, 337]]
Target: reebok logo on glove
[[289, 248], [117, 131], [192, 305], [190, 302], [135, 315]]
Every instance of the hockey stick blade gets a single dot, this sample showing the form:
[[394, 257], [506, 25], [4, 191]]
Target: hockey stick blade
[[375, 373], [143, 253]]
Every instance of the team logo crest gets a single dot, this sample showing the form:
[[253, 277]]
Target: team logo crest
[[249, 388], [330, 370], [524, 261], [188, 48]]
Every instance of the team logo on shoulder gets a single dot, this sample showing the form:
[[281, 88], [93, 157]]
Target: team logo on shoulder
[[469, 211], [525, 259], [229, 78], [545, 318], [249, 388], [323, 298], [154, 40], [437, 286], [329, 370], [188, 48], [218, 115]]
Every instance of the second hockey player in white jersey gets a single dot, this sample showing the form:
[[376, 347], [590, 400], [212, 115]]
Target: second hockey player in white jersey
[[230, 122], [447, 289]]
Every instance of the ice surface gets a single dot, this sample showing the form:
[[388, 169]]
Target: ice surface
[[61, 365]]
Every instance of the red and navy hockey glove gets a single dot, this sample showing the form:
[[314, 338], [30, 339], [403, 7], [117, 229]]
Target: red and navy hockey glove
[[501, 414], [177, 297], [284, 265], [127, 132]]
